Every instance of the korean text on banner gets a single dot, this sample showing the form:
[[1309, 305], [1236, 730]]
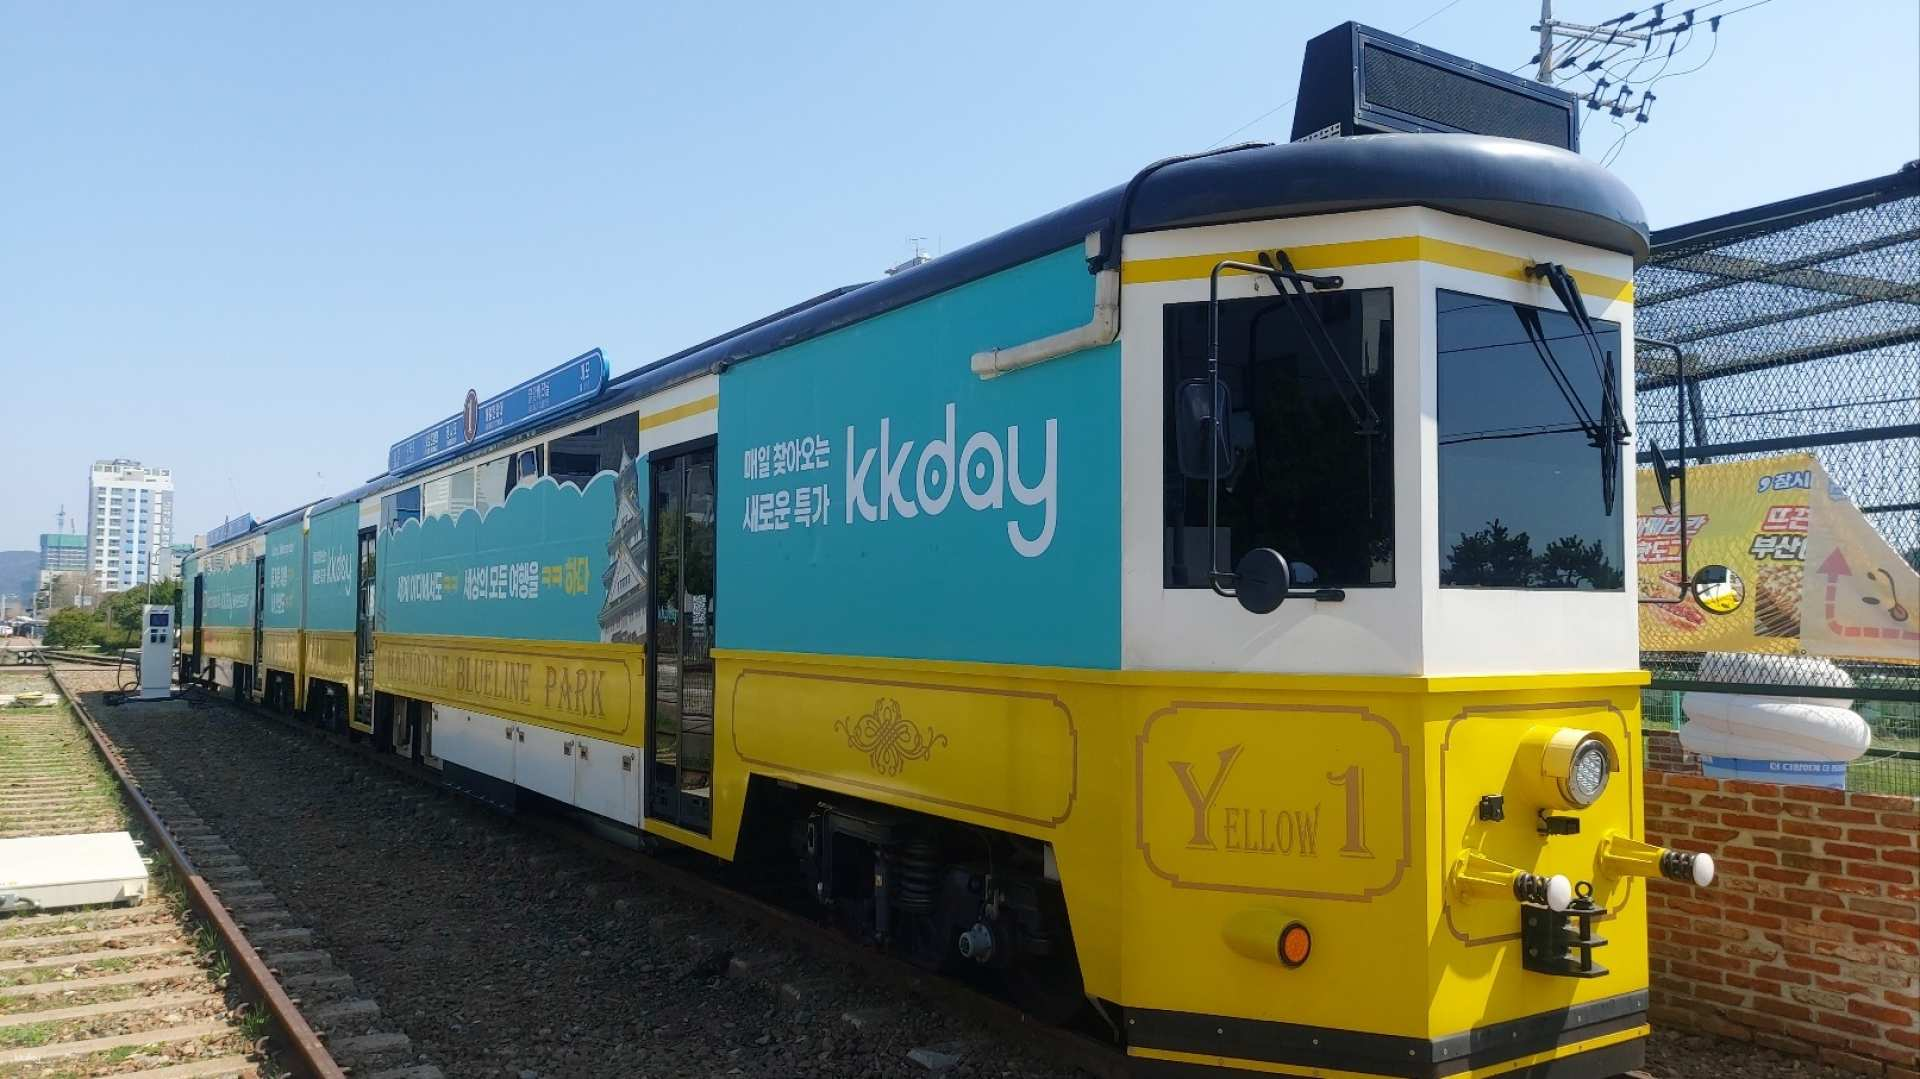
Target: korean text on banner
[[1818, 577]]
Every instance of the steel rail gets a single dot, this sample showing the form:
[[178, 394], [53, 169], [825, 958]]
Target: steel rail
[[310, 1057], [1077, 1050]]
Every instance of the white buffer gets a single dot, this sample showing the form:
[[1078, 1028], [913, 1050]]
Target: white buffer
[[46, 872]]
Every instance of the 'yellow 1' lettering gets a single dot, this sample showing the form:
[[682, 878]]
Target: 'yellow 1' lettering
[[1354, 781]]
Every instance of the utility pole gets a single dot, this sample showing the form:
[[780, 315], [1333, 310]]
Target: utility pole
[[1545, 74], [1573, 31]]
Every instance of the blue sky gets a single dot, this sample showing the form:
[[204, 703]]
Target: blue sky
[[258, 246]]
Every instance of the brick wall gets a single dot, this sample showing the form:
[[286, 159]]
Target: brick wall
[[1809, 942], [1664, 753]]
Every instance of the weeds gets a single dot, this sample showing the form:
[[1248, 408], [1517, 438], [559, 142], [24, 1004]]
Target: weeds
[[26, 1037], [255, 1024]]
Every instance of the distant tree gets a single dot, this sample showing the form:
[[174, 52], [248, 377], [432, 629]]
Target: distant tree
[[70, 628], [122, 614], [1493, 556], [66, 588]]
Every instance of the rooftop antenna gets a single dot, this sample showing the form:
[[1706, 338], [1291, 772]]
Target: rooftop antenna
[[918, 258]]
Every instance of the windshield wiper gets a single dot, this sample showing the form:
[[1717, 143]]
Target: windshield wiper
[[1596, 431], [1610, 432], [1279, 270]]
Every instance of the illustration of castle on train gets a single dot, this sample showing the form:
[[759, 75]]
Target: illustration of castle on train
[[1205, 606]]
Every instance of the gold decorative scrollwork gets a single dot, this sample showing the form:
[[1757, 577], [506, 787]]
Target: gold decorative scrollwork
[[888, 738]]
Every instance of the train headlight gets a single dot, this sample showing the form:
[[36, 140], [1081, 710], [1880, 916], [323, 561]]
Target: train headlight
[[1573, 765], [1587, 775]]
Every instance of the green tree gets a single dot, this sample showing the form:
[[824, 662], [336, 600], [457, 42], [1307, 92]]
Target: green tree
[[70, 628], [121, 613]]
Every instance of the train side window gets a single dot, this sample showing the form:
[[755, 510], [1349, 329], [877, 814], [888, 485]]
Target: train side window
[[399, 507], [1304, 478], [460, 492], [490, 484], [606, 447], [525, 466], [436, 497]]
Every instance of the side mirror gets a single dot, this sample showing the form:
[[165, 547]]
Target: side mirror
[[1719, 589], [1261, 580], [1662, 475], [1196, 432]]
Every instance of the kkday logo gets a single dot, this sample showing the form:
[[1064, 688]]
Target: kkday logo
[[982, 469]]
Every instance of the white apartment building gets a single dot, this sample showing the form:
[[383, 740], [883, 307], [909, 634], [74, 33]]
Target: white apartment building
[[129, 523]]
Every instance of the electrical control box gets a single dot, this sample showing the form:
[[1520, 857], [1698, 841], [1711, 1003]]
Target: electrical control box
[[156, 654]]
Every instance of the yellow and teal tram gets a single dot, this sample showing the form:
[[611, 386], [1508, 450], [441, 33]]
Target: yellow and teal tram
[[1206, 604]]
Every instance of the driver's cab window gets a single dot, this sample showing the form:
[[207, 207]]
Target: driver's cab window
[[1306, 448], [1531, 461]]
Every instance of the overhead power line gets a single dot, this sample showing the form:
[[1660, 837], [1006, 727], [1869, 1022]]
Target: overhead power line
[[1614, 65]]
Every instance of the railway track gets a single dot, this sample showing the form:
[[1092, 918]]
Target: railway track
[[322, 1023], [837, 1007], [125, 990], [85, 659]]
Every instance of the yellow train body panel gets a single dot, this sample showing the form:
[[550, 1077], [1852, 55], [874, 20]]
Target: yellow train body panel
[[586, 688], [328, 656], [1177, 805], [284, 650], [227, 642]]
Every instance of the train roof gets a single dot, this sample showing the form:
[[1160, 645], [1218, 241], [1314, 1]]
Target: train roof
[[1524, 185]]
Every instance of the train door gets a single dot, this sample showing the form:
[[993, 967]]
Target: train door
[[363, 633], [199, 606], [679, 786], [255, 676]]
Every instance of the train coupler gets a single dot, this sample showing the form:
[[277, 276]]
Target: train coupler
[[1562, 942]]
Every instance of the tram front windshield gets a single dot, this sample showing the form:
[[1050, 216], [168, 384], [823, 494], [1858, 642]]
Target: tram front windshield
[[1522, 500], [1303, 476]]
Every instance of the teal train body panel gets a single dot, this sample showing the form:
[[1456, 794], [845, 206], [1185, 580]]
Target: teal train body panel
[[877, 498], [189, 567], [531, 568], [228, 592], [333, 542], [285, 555]]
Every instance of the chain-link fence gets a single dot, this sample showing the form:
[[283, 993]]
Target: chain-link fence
[[1798, 326]]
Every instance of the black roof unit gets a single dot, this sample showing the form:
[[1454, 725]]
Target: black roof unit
[[1356, 80]]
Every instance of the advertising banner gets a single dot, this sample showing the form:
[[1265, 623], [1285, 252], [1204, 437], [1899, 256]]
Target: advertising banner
[[1818, 578], [869, 477], [533, 568], [284, 594], [333, 541]]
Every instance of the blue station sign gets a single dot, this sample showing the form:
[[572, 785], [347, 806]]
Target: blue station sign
[[237, 526], [479, 422]]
